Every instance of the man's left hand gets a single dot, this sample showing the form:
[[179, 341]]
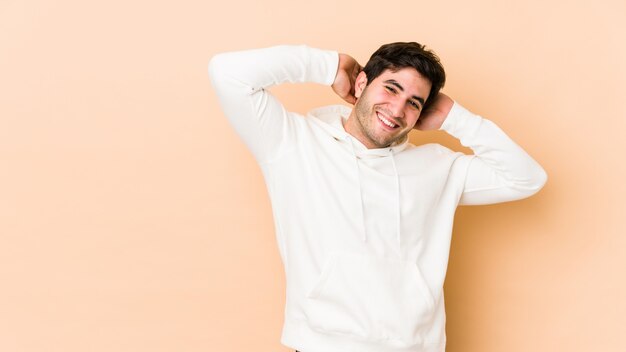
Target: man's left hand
[[432, 118]]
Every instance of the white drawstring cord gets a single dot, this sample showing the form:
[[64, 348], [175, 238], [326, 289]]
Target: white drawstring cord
[[358, 175], [398, 215]]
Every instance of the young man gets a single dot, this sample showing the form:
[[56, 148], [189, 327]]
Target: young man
[[364, 218]]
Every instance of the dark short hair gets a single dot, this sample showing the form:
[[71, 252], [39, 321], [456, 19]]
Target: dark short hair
[[399, 55]]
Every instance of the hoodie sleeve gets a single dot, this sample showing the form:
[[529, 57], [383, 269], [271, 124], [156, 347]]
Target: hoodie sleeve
[[499, 170], [240, 80]]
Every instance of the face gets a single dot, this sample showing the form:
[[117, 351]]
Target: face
[[387, 109]]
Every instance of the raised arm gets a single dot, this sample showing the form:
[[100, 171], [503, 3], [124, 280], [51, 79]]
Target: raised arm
[[240, 80], [499, 170]]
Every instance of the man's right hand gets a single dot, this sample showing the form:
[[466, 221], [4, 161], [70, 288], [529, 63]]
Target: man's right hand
[[347, 72]]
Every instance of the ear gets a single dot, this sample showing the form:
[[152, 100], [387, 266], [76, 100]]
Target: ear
[[360, 83]]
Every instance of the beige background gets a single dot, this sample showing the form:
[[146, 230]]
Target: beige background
[[133, 219]]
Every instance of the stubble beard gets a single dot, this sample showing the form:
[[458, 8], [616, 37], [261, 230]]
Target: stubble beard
[[365, 114]]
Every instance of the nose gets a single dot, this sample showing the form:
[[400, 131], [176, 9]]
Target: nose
[[397, 107]]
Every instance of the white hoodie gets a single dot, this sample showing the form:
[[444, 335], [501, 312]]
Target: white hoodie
[[364, 234]]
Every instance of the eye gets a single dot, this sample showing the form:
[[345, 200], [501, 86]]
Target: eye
[[414, 104], [391, 89]]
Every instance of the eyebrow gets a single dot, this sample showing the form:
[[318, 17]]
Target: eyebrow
[[395, 83]]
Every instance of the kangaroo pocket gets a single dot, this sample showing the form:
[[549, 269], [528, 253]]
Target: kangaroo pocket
[[371, 298]]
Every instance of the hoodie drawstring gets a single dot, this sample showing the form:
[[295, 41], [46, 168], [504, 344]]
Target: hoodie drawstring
[[362, 206], [358, 176], [399, 215]]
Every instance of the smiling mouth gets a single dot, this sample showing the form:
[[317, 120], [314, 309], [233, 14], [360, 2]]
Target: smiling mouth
[[387, 122]]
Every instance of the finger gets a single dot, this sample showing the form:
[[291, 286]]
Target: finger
[[356, 72]]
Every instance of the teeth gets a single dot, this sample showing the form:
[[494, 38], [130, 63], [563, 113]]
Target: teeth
[[385, 121]]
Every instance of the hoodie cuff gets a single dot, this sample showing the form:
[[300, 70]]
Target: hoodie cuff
[[324, 65], [459, 120]]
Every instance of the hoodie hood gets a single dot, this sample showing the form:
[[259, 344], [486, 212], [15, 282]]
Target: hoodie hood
[[331, 118]]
